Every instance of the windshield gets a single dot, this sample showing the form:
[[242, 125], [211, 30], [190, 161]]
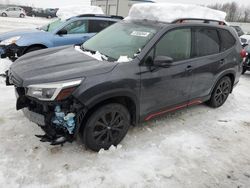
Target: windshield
[[121, 40], [52, 26]]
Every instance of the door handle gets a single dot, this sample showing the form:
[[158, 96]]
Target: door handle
[[189, 68], [222, 61]]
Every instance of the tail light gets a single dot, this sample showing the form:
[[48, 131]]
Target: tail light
[[243, 53]]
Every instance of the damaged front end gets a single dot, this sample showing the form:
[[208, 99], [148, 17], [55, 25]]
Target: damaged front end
[[60, 118]]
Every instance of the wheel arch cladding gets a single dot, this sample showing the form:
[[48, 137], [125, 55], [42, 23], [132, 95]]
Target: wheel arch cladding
[[126, 101], [229, 74], [34, 46]]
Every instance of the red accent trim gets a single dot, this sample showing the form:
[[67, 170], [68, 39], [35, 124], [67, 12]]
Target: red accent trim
[[173, 109]]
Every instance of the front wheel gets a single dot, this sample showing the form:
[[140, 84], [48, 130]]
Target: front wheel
[[220, 92], [32, 49], [4, 14], [22, 16], [107, 126]]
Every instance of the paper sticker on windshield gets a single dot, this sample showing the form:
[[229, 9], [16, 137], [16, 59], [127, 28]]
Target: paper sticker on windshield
[[140, 34]]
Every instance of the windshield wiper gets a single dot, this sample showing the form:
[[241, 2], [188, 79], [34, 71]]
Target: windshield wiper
[[87, 50], [103, 56]]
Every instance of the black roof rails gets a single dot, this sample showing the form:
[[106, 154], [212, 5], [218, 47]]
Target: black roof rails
[[208, 21], [100, 16]]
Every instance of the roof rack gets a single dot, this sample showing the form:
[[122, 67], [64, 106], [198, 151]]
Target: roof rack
[[207, 21], [100, 16]]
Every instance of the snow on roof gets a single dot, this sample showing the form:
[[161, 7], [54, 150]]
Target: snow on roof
[[70, 11], [169, 12]]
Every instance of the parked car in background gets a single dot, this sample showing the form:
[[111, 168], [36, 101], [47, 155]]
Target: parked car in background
[[245, 40], [75, 30], [246, 62], [46, 13], [13, 12], [238, 29], [128, 73]]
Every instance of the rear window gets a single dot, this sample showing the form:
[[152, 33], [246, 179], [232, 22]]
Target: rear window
[[206, 42], [227, 40], [96, 26]]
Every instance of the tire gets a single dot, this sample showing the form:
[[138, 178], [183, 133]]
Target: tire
[[107, 126], [220, 92], [22, 16], [33, 15], [32, 49], [243, 70], [4, 14], [49, 17]]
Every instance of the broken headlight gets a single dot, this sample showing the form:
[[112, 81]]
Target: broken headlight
[[53, 91], [9, 41]]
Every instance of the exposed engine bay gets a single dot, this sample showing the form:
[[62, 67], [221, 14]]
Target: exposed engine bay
[[59, 120]]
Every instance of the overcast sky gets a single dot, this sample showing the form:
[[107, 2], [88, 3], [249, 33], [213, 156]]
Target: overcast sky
[[61, 3]]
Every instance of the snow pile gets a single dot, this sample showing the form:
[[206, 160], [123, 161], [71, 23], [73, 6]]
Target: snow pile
[[169, 12], [96, 55], [70, 11], [247, 39], [123, 59]]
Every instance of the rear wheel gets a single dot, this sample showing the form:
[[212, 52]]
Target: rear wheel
[[107, 126], [220, 92], [4, 14]]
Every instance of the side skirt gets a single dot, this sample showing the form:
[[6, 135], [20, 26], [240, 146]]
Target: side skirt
[[177, 107]]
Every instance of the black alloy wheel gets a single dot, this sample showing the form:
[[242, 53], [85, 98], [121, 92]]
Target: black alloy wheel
[[221, 92], [107, 126]]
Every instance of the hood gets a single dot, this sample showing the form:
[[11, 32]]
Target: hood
[[57, 64], [22, 32]]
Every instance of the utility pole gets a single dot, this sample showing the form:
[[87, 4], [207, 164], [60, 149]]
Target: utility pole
[[117, 7], [107, 2]]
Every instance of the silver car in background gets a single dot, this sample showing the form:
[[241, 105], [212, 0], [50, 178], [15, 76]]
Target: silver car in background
[[13, 12]]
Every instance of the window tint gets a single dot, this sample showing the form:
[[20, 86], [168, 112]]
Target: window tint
[[206, 42], [96, 26], [227, 40], [175, 44], [77, 27]]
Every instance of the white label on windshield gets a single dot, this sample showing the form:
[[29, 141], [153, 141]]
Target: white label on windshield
[[140, 34]]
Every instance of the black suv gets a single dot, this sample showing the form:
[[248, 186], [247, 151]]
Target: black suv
[[130, 72]]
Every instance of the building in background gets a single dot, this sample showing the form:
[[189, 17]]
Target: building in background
[[117, 7]]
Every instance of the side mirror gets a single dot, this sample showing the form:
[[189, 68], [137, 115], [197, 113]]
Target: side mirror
[[62, 32], [163, 61]]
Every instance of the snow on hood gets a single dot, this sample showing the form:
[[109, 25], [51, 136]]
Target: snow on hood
[[98, 56], [70, 11], [168, 12]]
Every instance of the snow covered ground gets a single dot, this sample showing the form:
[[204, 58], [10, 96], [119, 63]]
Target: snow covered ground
[[193, 148]]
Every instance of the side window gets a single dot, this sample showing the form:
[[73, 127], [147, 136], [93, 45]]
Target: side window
[[77, 27], [175, 44], [96, 26], [206, 42], [227, 40]]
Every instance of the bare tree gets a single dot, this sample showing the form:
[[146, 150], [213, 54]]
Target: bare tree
[[235, 13]]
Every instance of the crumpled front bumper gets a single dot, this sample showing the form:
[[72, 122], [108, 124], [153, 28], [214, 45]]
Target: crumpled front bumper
[[43, 113], [11, 51]]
